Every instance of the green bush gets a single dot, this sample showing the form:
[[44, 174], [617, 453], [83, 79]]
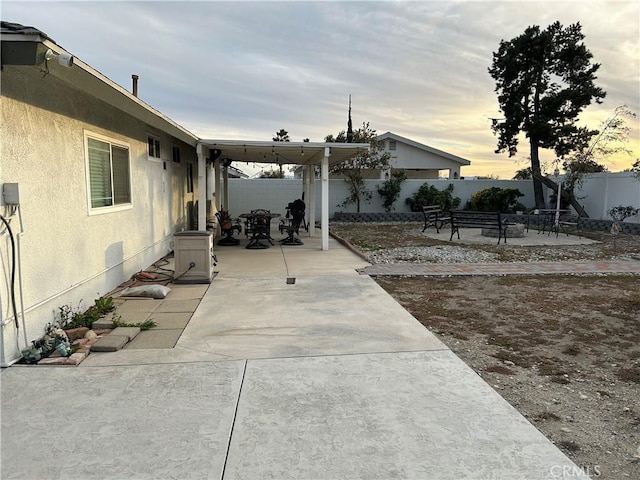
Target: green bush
[[495, 199], [390, 190], [430, 195]]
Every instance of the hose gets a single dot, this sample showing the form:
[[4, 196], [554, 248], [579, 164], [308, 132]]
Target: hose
[[13, 272]]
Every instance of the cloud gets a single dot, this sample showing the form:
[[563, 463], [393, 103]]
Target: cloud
[[418, 69]]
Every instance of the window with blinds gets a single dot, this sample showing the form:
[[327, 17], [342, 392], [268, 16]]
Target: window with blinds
[[109, 175]]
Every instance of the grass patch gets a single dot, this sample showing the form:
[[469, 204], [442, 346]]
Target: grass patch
[[146, 325]]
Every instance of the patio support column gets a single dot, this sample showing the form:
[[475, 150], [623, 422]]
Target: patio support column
[[226, 188], [216, 181], [211, 186], [202, 189], [324, 223], [311, 199]]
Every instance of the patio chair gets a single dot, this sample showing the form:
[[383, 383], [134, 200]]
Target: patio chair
[[259, 224], [292, 222], [228, 226]]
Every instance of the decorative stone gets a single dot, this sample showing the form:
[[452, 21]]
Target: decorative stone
[[76, 333], [110, 343], [102, 331], [90, 335], [75, 358], [53, 361]]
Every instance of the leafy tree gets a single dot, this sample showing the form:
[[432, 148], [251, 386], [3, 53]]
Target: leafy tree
[[430, 195], [391, 188], [523, 174], [282, 136], [354, 169], [544, 79], [272, 174], [635, 168]]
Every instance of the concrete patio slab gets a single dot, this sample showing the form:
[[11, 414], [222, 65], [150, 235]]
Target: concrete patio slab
[[422, 415], [531, 238], [186, 291], [170, 320], [318, 315], [341, 382], [147, 305], [177, 306], [134, 422], [155, 339]]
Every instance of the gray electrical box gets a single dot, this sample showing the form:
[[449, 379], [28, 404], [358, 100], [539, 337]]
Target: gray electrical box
[[10, 194], [193, 257]]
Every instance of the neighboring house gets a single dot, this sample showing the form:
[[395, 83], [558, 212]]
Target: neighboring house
[[419, 160], [103, 182]]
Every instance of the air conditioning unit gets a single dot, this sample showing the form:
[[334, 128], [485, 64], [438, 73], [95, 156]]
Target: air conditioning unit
[[193, 256]]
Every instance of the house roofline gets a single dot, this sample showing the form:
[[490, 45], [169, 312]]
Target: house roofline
[[91, 81], [421, 146]]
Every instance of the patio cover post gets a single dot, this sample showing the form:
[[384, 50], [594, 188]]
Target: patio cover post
[[225, 179], [311, 195], [216, 181], [324, 224], [202, 189]]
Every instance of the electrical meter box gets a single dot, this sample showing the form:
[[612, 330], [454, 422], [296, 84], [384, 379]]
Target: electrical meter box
[[193, 256]]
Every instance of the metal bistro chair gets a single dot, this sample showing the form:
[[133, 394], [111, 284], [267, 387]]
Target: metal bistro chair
[[292, 223], [259, 224], [228, 226]]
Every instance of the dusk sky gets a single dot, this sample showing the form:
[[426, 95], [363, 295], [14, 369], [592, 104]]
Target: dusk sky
[[244, 70]]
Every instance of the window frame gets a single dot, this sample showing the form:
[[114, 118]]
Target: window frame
[[112, 143], [156, 155], [175, 154], [393, 145]]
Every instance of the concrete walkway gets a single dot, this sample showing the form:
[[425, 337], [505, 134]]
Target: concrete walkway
[[292, 366]]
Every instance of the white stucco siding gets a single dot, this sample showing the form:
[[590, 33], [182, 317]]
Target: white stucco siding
[[67, 254], [408, 156]]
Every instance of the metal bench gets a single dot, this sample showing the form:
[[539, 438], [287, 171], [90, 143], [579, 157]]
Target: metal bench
[[470, 219], [434, 216]]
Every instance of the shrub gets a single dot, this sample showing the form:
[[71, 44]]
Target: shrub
[[621, 212], [430, 195], [495, 199], [390, 190]]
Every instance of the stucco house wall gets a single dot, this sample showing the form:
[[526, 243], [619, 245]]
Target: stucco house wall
[[71, 255]]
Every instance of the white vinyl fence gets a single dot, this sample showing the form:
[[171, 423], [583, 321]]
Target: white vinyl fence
[[600, 192]]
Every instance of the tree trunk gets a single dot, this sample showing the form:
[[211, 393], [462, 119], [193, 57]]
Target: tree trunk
[[564, 193], [538, 193]]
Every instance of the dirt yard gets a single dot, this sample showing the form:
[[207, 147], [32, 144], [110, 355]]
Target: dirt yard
[[563, 350]]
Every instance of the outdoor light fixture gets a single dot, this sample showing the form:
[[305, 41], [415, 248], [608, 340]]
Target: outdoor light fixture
[[64, 59], [302, 151]]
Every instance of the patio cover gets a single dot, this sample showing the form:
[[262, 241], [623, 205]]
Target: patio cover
[[307, 154]]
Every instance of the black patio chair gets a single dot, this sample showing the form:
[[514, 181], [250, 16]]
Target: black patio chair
[[259, 224], [292, 222]]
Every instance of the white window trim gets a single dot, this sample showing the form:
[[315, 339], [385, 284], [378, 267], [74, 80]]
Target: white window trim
[[174, 146], [113, 208], [157, 159]]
